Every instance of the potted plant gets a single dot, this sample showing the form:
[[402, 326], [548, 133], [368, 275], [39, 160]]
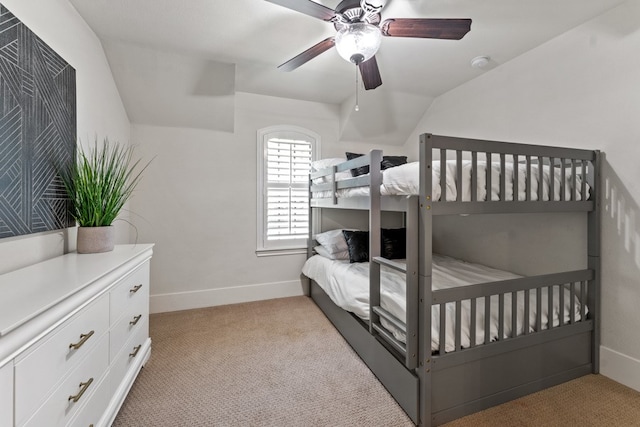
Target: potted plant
[[99, 183]]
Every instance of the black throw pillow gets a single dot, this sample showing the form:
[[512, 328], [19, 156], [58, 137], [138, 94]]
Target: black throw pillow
[[386, 163], [358, 245], [363, 170], [394, 243]]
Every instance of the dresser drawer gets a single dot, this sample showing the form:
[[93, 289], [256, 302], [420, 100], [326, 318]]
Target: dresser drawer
[[6, 394], [93, 410], [51, 359], [133, 318], [59, 408], [130, 354], [132, 288]]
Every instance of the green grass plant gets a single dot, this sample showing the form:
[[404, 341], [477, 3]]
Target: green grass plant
[[100, 182]]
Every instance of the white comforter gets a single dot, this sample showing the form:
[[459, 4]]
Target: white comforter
[[404, 180], [348, 287]]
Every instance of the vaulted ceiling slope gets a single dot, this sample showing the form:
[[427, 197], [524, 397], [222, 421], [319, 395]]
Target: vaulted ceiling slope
[[180, 63]]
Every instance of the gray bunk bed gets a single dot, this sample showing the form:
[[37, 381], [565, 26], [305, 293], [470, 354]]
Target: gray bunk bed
[[437, 386]]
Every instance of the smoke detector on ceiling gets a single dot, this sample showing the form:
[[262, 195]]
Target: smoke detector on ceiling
[[480, 61]]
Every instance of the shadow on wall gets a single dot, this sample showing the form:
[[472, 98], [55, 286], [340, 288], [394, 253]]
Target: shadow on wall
[[619, 213], [620, 265]]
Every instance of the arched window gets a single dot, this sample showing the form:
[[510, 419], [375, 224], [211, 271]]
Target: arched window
[[285, 154]]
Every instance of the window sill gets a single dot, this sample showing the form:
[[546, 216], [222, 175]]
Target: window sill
[[278, 252]]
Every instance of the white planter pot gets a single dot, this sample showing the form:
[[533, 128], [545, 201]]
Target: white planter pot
[[92, 240]]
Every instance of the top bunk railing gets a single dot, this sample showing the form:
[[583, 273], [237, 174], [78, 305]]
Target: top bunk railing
[[477, 176], [459, 175]]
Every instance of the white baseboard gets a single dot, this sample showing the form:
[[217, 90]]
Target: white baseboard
[[620, 367], [211, 297]]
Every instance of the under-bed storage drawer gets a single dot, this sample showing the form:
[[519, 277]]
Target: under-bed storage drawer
[[48, 361], [78, 387], [132, 288]]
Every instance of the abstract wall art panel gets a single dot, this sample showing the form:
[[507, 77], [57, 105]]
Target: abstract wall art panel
[[37, 131]]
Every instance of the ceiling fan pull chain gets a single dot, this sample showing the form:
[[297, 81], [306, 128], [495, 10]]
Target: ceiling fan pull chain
[[357, 108]]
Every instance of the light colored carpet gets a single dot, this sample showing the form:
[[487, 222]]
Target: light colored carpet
[[281, 363]]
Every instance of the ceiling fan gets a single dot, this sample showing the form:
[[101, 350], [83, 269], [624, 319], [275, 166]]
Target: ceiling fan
[[360, 30]]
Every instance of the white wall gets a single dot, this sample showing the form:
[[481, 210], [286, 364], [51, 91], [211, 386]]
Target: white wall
[[100, 110], [198, 203], [578, 90]]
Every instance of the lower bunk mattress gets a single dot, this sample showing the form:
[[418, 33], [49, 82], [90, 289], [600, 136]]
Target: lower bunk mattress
[[347, 284]]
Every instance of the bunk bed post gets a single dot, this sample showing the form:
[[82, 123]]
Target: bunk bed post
[[593, 252], [375, 181], [306, 284], [412, 288], [425, 228]]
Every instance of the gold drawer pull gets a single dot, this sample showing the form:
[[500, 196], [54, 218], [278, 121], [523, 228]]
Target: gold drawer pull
[[83, 339], [83, 388], [136, 349], [135, 289], [135, 319]]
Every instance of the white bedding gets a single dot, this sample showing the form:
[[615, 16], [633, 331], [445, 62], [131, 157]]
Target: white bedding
[[348, 287], [403, 180]]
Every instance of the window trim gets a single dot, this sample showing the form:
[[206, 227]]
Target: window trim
[[263, 135]]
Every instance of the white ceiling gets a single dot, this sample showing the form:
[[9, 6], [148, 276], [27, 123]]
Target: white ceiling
[[207, 49]]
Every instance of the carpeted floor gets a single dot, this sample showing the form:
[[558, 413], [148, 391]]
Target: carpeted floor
[[281, 363]]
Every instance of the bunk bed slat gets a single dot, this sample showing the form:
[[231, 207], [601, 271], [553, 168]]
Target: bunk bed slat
[[514, 315], [538, 309], [583, 183], [472, 330], [563, 178], [503, 178], [443, 175], [458, 341], [528, 179], [516, 173], [583, 299], [540, 179], [500, 317], [443, 336], [458, 175], [549, 307], [488, 197], [572, 312], [474, 176], [552, 179], [574, 180], [561, 305], [527, 301], [487, 320]]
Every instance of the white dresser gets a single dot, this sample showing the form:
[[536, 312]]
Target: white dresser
[[74, 333]]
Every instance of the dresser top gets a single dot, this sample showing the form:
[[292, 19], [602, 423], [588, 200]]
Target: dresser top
[[30, 291]]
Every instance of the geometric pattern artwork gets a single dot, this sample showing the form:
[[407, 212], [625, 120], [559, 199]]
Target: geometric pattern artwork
[[37, 131]]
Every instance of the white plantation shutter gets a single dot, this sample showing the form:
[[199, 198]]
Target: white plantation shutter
[[284, 205]]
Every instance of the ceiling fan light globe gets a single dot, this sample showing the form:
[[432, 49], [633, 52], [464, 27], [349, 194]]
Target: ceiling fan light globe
[[358, 42]]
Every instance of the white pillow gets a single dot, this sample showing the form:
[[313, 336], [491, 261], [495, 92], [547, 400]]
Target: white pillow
[[320, 250], [333, 241]]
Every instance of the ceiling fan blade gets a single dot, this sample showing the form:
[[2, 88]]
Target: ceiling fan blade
[[307, 7], [308, 54], [450, 29], [370, 73]]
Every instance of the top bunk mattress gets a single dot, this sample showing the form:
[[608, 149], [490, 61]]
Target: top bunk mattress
[[404, 180]]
